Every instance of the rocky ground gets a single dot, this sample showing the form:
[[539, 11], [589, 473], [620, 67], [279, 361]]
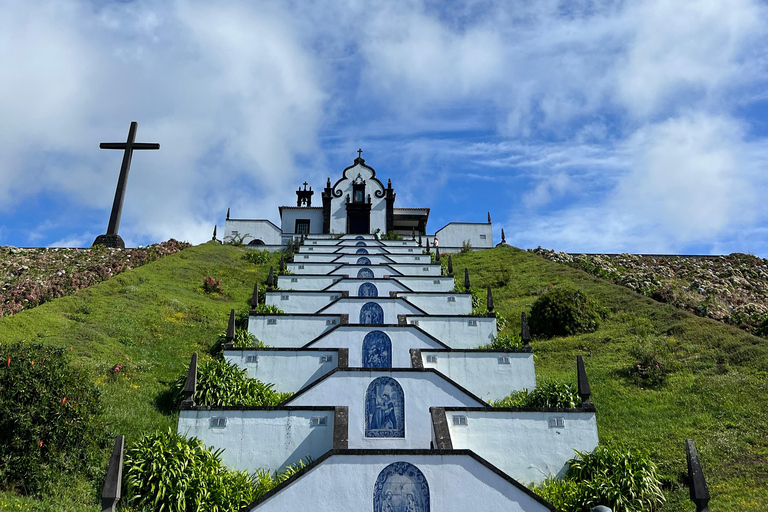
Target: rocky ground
[[30, 277], [732, 289]]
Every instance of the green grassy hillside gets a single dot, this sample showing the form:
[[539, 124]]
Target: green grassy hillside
[[151, 319]]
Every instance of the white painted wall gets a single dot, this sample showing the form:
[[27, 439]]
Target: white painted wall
[[351, 337], [384, 286], [339, 205], [311, 257], [314, 215], [379, 271], [422, 390], [255, 228], [351, 306], [455, 233], [522, 444], [256, 439], [311, 268], [305, 282], [483, 374], [457, 332], [411, 258], [288, 370], [427, 284], [300, 301], [351, 259], [418, 270], [346, 482], [440, 303], [289, 330]]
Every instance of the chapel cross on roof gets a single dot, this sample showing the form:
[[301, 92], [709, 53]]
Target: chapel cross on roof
[[359, 153]]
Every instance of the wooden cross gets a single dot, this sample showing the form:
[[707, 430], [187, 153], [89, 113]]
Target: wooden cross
[[359, 153], [128, 146]]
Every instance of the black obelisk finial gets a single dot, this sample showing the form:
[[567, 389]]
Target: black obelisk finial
[[111, 238], [255, 296], [271, 279], [281, 270], [489, 217], [697, 482], [466, 279], [227, 213], [437, 256], [583, 382], [489, 300], [413, 233], [450, 265], [231, 326], [503, 239], [525, 333], [214, 233]]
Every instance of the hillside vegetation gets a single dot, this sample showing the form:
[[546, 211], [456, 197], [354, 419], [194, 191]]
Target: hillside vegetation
[[713, 386]]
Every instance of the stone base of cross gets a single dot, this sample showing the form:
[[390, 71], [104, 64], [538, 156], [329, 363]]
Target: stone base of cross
[[114, 241]]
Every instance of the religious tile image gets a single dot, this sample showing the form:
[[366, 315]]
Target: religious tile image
[[361, 244], [365, 273], [401, 487], [363, 261], [377, 350], [371, 313], [361, 251], [367, 290], [384, 409]]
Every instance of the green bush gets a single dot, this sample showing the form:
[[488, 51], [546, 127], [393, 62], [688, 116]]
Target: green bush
[[392, 235], [466, 246], [268, 309], [505, 342], [220, 384], [242, 339], [49, 420], [652, 356], [564, 312], [548, 394], [211, 285], [258, 257], [620, 478], [165, 471]]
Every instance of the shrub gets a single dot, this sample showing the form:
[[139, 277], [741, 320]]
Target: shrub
[[651, 354], [236, 240], [269, 309], [50, 420], [392, 235], [564, 312], [466, 246], [165, 471], [211, 285], [266, 481], [221, 384], [258, 257], [548, 394], [505, 342], [242, 339]]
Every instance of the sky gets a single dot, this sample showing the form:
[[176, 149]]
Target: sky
[[580, 125]]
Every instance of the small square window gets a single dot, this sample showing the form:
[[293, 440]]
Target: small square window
[[459, 419], [218, 422], [472, 323], [425, 269], [415, 322], [432, 359], [301, 267], [334, 297], [310, 248], [319, 421], [314, 243], [451, 299], [284, 297], [556, 422], [235, 232], [482, 237], [410, 250], [436, 281], [271, 321], [417, 258], [330, 322], [503, 360], [306, 256], [294, 279], [326, 359], [252, 359]]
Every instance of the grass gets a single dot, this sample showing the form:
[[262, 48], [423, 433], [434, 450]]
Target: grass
[[156, 316], [716, 393], [150, 320]]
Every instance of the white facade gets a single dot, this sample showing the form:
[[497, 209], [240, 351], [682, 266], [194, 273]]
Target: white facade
[[290, 214], [457, 482], [288, 370], [250, 230], [455, 234], [290, 330], [457, 331], [343, 189]]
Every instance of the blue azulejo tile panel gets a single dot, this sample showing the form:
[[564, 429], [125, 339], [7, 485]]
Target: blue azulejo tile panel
[[359, 237], [365, 273], [377, 350], [367, 290], [364, 261], [401, 487], [371, 313], [384, 409], [361, 244], [361, 251]]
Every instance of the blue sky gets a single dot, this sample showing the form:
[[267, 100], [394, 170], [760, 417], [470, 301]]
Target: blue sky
[[600, 126]]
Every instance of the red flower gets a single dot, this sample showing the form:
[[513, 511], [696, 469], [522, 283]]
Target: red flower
[[32, 363], [40, 444], [63, 400], [9, 361], [70, 348]]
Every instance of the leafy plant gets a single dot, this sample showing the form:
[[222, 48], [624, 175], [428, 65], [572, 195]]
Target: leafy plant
[[505, 341], [564, 311], [165, 471], [392, 235], [236, 240], [242, 339], [221, 384], [651, 354], [268, 309], [258, 257], [211, 285], [50, 421], [466, 246], [265, 481], [548, 394]]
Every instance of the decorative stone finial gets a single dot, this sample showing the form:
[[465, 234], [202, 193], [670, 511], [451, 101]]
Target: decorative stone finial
[[437, 256], [214, 234], [413, 233], [271, 279], [255, 296], [231, 326], [450, 265], [696, 480], [419, 239], [428, 250], [525, 333], [503, 239], [466, 279], [489, 217], [489, 300], [190, 384], [581, 375], [112, 490], [227, 213], [281, 268], [328, 183]]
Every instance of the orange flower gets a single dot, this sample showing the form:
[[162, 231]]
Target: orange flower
[[9, 361], [63, 399], [70, 348], [33, 363], [40, 444]]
